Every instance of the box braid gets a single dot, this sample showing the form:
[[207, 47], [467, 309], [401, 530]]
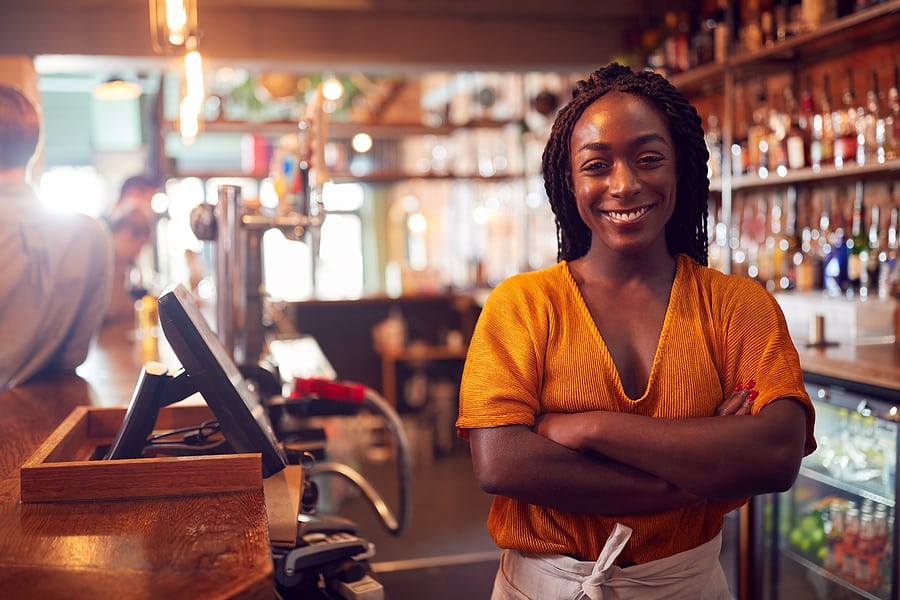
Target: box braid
[[686, 231]]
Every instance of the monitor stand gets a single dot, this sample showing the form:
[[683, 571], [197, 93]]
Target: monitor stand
[[156, 387]]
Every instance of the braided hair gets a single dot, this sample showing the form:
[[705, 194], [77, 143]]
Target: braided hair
[[686, 231]]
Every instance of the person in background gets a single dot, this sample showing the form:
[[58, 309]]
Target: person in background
[[56, 269], [621, 402], [131, 221]]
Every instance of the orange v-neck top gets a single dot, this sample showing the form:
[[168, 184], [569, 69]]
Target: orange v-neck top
[[536, 349]]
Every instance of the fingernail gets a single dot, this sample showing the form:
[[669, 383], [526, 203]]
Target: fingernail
[[750, 384], [752, 395], [738, 388]]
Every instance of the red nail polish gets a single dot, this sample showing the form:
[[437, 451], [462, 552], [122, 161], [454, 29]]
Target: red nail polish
[[750, 385], [738, 388], [752, 395]]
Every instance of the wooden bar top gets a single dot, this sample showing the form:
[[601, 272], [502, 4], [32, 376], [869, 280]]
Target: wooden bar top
[[875, 365], [212, 546]]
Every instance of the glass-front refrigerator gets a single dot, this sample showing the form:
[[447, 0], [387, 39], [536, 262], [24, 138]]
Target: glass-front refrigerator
[[834, 534]]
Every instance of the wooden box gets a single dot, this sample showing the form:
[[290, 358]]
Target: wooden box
[[62, 469]]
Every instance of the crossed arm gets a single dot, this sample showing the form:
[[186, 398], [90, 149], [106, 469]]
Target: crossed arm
[[615, 463]]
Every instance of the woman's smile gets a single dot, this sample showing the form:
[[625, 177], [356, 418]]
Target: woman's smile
[[626, 216]]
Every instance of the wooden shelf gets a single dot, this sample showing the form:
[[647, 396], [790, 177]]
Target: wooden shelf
[[889, 169], [343, 130], [867, 27], [376, 177]]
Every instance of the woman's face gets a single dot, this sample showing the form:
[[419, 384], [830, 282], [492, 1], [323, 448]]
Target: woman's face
[[623, 173]]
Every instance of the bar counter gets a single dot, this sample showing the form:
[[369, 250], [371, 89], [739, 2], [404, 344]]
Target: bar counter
[[197, 546], [871, 366]]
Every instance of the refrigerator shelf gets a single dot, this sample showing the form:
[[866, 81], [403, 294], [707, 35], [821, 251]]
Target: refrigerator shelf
[[861, 489], [832, 577]]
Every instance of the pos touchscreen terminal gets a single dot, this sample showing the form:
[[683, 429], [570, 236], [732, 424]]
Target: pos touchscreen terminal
[[208, 369]]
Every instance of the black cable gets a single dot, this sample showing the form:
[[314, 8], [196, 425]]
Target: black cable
[[193, 436]]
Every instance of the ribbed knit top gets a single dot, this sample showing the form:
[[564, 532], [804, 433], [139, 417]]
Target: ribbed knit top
[[537, 349]]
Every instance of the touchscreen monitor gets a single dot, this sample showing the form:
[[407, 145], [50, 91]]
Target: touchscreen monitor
[[242, 417]]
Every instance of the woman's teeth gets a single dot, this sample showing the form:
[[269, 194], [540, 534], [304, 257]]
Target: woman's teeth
[[628, 216]]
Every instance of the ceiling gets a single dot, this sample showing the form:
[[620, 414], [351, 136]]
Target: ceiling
[[300, 35], [79, 43]]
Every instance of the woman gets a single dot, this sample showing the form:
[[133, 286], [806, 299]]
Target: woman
[[621, 402]]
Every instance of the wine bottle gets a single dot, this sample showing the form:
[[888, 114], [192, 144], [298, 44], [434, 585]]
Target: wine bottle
[[857, 245]]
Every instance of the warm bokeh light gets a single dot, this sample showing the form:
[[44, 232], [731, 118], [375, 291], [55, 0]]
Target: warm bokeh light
[[176, 22], [332, 89], [417, 223], [362, 142]]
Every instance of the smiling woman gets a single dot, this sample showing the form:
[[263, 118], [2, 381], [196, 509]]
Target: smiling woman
[[615, 395]]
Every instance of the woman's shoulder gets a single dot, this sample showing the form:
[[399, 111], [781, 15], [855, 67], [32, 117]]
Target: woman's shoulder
[[723, 292], [717, 281]]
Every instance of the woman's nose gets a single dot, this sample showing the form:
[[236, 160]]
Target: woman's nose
[[623, 180]]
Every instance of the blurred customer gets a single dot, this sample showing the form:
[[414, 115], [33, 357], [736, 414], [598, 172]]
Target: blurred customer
[[131, 221], [56, 269]]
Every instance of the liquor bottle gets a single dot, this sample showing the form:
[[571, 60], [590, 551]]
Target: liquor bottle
[[807, 109], [871, 127], [722, 33], [750, 35], [675, 42], [758, 136], [816, 248], [784, 227], [795, 143], [888, 256], [822, 136], [701, 48], [892, 118], [713, 136], [778, 126], [857, 246], [766, 250], [844, 124], [834, 264], [876, 247]]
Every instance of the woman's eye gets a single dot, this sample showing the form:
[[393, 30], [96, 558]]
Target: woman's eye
[[650, 158], [595, 165]]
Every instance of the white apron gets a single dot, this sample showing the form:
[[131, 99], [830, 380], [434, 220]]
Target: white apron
[[695, 574]]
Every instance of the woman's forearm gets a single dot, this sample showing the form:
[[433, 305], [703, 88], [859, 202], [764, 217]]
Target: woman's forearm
[[513, 461], [712, 457]]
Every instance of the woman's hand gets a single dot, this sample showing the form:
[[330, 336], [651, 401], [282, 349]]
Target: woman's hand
[[739, 401]]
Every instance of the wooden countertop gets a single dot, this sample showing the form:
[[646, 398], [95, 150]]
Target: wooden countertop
[[200, 546], [871, 365]]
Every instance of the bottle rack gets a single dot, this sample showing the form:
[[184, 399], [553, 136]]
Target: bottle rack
[[718, 84]]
